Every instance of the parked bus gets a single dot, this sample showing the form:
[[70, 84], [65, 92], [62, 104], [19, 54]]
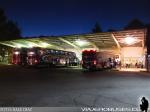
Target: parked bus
[[42, 56], [93, 60], [19, 56]]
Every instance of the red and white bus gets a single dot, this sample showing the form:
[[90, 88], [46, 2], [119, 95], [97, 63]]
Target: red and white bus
[[42, 56], [39, 56], [19, 56]]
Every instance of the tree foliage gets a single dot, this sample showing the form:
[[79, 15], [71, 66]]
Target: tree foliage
[[134, 24], [111, 30], [8, 29], [96, 28]]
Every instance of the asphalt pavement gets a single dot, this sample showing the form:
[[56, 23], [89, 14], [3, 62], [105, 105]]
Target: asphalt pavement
[[71, 87]]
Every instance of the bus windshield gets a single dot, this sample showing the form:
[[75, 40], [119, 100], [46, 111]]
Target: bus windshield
[[88, 56]]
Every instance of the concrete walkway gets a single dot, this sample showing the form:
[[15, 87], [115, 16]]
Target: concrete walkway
[[133, 69]]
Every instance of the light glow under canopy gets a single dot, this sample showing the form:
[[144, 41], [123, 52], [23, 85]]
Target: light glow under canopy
[[81, 42], [130, 40], [30, 45], [44, 44], [19, 45]]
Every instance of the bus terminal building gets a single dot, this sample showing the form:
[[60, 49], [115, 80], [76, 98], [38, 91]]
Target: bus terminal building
[[128, 45]]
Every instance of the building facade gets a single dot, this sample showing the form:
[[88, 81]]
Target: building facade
[[128, 45]]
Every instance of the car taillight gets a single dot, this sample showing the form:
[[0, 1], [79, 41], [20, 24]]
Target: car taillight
[[94, 62]]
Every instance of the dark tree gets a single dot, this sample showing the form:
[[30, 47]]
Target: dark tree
[[134, 24], [8, 29], [111, 30], [96, 28], [148, 38]]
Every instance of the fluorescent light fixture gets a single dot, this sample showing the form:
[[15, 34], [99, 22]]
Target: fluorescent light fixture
[[129, 40], [19, 45], [31, 45], [44, 44], [81, 42]]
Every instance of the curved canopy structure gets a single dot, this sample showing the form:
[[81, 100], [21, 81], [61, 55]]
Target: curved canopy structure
[[128, 45], [96, 41]]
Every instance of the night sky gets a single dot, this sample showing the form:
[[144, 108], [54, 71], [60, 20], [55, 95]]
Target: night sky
[[63, 17]]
